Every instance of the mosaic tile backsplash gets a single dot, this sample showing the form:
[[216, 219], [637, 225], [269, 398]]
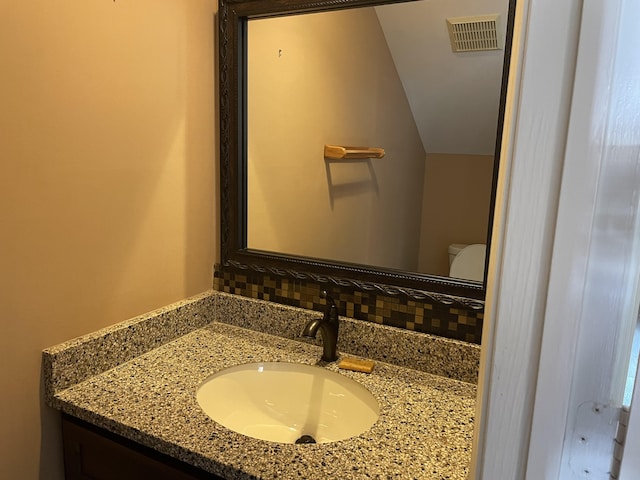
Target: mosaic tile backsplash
[[431, 318]]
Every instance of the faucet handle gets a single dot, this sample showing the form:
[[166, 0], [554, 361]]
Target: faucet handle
[[325, 295], [331, 312]]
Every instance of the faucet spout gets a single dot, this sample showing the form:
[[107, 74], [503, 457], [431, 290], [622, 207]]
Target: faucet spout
[[311, 328], [328, 325]]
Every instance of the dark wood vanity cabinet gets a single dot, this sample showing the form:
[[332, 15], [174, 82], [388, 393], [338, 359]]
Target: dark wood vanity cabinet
[[91, 453]]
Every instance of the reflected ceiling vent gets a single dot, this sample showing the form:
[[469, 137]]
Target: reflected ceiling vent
[[473, 34]]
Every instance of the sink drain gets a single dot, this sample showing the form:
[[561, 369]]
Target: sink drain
[[306, 439]]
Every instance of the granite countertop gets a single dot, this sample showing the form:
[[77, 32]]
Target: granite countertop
[[424, 431]]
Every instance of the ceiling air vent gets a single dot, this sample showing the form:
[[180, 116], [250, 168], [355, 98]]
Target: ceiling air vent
[[473, 34]]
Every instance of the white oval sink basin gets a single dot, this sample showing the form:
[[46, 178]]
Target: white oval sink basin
[[285, 402]]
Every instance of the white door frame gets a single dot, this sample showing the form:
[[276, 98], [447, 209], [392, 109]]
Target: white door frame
[[592, 301], [535, 131], [550, 270]]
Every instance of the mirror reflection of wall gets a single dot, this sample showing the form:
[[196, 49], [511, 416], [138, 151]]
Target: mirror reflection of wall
[[382, 77]]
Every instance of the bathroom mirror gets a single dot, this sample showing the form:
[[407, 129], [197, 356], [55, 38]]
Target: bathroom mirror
[[298, 75]]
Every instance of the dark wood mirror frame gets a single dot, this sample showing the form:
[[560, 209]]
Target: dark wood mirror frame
[[236, 258]]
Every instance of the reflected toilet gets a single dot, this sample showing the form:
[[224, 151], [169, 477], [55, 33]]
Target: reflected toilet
[[467, 261]]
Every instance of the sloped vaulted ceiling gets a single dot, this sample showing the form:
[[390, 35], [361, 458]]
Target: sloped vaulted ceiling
[[454, 97]]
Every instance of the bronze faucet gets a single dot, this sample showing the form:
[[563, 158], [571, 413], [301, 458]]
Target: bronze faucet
[[329, 326]]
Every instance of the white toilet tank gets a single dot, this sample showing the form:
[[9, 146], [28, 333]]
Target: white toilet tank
[[468, 264], [454, 249]]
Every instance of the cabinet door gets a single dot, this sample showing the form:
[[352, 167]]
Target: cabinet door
[[93, 454]]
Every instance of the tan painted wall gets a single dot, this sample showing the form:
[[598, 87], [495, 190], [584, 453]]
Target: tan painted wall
[[331, 77], [107, 149], [457, 200]]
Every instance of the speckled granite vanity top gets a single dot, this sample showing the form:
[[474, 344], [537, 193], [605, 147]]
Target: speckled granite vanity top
[[146, 392]]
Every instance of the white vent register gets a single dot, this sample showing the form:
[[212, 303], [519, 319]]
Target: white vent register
[[473, 34]]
